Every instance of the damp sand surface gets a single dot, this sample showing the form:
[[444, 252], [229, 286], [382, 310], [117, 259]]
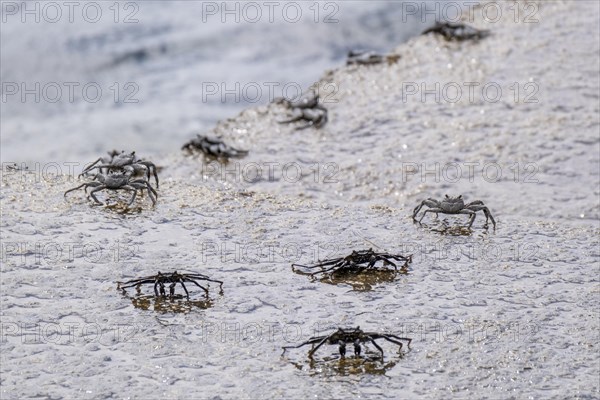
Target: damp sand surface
[[503, 313]]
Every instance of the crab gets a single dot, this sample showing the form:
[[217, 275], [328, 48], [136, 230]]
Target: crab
[[316, 116], [362, 57], [356, 262], [121, 181], [309, 99], [123, 162], [458, 32], [213, 147], [356, 336], [11, 167], [159, 280], [455, 205], [305, 108]]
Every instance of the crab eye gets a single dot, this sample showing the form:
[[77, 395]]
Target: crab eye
[[447, 196], [460, 197]]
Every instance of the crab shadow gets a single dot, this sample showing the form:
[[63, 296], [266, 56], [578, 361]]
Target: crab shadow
[[362, 280], [347, 366]]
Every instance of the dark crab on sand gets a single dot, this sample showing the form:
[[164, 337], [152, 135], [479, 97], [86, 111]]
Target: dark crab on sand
[[123, 162], [213, 147], [309, 99], [356, 336], [457, 31], [160, 280], [115, 182], [454, 205], [306, 108], [357, 261], [362, 57]]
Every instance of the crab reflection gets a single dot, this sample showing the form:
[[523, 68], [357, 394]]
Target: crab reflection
[[447, 228], [365, 280], [177, 304], [348, 366], [120, 207], [444, 228]]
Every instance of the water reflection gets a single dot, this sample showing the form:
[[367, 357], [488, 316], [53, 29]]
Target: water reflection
[[364, 280], [175, 304], [444, 228], [347, 366], [361, 279], [124, 210], [117, 205]]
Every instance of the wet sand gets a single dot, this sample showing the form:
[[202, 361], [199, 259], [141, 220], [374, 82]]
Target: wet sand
[[493, 314]]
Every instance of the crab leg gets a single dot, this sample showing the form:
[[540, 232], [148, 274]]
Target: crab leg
[[381, 258], [377, 346], [141, 185], [401, 258], [202, 277], [101, 187], [321, 264], [131, 189], [418, 208], [172, 289], [488, 214], [91, 166], [152, 191], [389, 337], [150, 166], [135, 282], [309, 341], [78, 187], [197, 284], [161, 286], [432, 210], [321, 343], [108, 167], [302, 127], [335, 267], [158, 281], [297, 117], [431, 203], [478, 205], [319, 120], [472, 214], [145, 279], [342, 349], [144, 184], [86, 186], [406, 260], [215, 281], [198, 276]]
